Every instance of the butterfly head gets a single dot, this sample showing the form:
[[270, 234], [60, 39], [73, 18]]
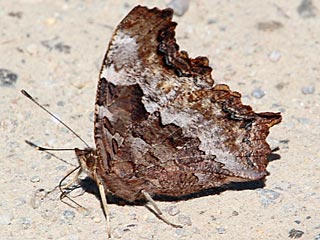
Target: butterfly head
[[87, 159]]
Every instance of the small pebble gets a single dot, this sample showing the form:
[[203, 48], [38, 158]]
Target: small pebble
[[221, 230], [36, 200], [306, 9], [172, 210], [184, 220], [317, 237], [274, 56], [35, 179], [17, 14], [258, 93], [196, 230], [62, 168], [180, 231], [212, 21], [295, 233], [97, 220], [235, 213], [213, 218], [56, 45], [61, 47], [280, 85], [60, 103], [269, 26], [307, 90], [268, 196], [131, 225], [180, 7], [50, 21], [5, 219], [133, 216], [68, 214], [151, 219], [7, 78], [26, 222]]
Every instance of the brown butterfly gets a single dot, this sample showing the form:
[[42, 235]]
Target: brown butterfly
[[162, 127]]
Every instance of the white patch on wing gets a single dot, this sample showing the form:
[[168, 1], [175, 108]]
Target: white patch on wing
[[122, 58]]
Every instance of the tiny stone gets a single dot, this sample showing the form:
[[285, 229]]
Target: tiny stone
[[133, 216], [60, 103], [61, 47], [179, 6], [26, 222], [317, 237], [308, 217], [269, 26], [258, 93], [295, 233], [196, 230], [307, 90], [221, 230], [7, 78], [280, 85], [97, 220], [61, 168], [35, 179], [212, 21], [185, 220], [68, 214], [151, 219], [274, 56], [268, 196], [172, 210], [306, 9], [180, 231], [222, 28], [50, 21], [235, 213], [131, 225], [47, 214], [5, 219], [35, 203], [297, 221]]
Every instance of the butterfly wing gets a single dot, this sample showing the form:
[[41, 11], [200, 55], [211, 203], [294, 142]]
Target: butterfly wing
[[160, 122]]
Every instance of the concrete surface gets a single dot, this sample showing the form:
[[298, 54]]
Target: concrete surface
[[267, 50]]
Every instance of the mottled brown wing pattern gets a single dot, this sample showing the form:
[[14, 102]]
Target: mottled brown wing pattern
[[161, 125]]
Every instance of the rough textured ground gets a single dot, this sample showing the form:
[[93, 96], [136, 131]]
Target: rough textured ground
[[267, 50]]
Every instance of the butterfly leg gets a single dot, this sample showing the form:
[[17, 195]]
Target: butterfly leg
[[105, 205], [157, 210]]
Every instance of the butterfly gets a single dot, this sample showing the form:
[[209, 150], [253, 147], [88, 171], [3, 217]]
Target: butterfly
[[162, 127]]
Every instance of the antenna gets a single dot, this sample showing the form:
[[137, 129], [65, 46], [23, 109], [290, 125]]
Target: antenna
[[26, 94], [47, 149]]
